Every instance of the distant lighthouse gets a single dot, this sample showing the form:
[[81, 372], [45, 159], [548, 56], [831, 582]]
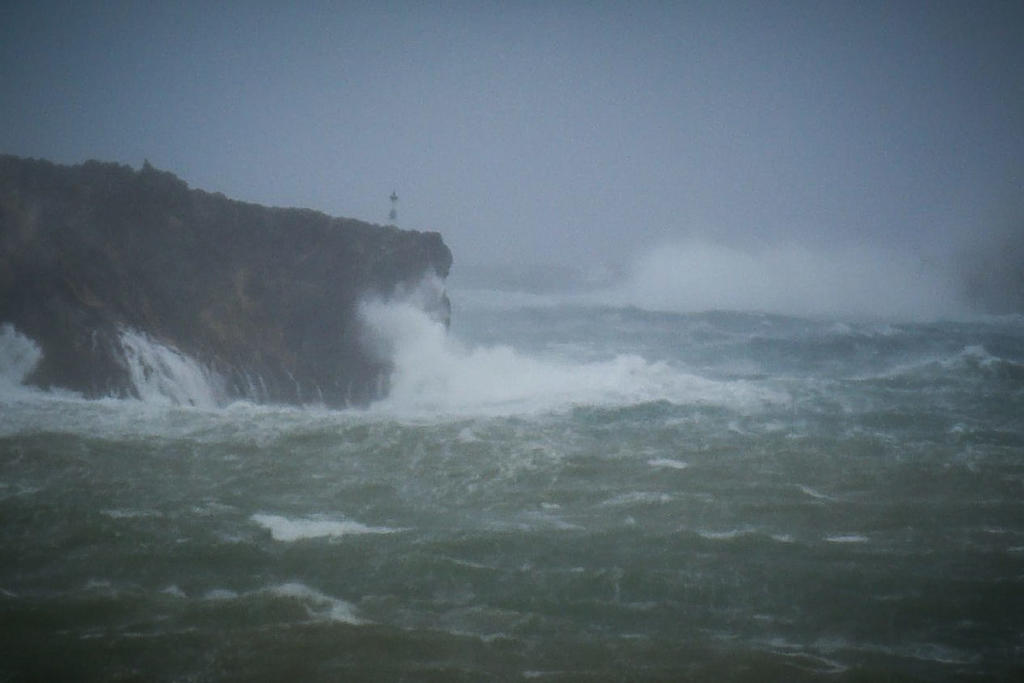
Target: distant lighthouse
[[393, 214]]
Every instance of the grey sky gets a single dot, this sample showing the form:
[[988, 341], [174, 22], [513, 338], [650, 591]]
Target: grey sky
[[548, 132]]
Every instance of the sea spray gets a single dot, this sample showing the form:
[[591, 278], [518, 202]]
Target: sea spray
[[786, 279], [18, 356], [434, 372]]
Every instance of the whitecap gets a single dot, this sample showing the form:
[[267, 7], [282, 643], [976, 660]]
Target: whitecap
[[288, 530], [847, 538], [933, 652], [544, 520], [978, 353], [637, 498], [174, 591], [724, 535], [668, 463], [812, 663], [319, 605], [812, 493], [466, 435], [119, 513]]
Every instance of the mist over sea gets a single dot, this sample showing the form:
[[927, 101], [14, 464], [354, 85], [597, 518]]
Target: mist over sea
[[586, 485]]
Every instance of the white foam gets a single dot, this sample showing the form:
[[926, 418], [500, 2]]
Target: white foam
[[434, 373], [103, 585], [318, 604], [466, 435], [812, 493], [163, 375], [847, 538], [668, 463], [724, 535], [18, 490], [289, 530], [804, 660], [638, 498], [118, 513], [972, 357], [978, 353], [546, 520]]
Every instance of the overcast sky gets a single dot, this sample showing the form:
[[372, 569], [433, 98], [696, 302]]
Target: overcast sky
[[548, 131]]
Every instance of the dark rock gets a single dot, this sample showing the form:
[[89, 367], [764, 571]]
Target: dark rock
[[264, 298]]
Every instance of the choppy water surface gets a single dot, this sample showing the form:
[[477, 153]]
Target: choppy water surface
[[551, 493]]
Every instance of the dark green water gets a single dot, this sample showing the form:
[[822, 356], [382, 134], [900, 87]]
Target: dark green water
[[617, 495]]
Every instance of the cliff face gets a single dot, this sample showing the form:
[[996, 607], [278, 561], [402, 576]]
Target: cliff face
[[265, 299]]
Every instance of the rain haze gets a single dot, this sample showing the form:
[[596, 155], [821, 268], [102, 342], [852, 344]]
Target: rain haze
[[778, 156], [717, 374]]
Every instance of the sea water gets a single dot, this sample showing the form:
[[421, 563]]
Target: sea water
[[554, 490]]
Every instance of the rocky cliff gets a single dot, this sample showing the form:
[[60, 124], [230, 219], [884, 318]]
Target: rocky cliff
[[98, 258]]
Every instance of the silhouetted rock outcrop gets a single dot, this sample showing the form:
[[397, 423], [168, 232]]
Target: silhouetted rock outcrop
[[265, 299]]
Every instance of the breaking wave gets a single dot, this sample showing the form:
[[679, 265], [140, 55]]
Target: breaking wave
[[288, 530], [435, 373]]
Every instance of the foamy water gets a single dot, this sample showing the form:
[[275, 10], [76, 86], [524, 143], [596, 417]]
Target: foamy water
[[437, 373], [559, 491], [288, 530]]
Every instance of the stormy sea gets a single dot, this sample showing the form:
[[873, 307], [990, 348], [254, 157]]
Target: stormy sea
[[553, 490]]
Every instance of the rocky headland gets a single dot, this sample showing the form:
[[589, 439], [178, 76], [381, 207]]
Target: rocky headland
[[99, 260]]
